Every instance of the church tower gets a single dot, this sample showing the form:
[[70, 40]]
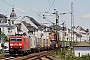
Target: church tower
[[12, 16]]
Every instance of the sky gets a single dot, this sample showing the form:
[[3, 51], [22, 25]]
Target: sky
[[33, 8]]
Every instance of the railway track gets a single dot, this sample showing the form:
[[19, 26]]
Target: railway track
[[33, 56], [38, 56]]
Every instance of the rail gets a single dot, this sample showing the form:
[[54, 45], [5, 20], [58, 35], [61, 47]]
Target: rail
[[31, 56]]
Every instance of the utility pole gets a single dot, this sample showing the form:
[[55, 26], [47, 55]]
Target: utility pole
[[89, 39], [57, 23], [63, 41], [72, 29]]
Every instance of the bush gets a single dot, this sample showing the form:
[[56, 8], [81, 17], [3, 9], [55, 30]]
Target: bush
[[6, 38], [85, 57], [70, 57]]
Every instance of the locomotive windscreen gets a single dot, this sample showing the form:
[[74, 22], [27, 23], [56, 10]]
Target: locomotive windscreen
[[13, 40], [19, 40], [16, 40]]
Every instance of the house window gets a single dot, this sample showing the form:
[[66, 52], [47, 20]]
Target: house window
[[5, 20], [9, 22], [9, 30], [0, 21], [18, 27], [12, 22]]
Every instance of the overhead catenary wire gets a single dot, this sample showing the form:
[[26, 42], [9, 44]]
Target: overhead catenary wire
[[12, 6], [45, 18], [26, 14], [7, 3], [51, 5], [47, 12], [42, 16]]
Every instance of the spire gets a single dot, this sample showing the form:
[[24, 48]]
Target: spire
[[13, 15], [13, 9]]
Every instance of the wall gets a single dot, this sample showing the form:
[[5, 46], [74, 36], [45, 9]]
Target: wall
[[82, 51], [23, 28]]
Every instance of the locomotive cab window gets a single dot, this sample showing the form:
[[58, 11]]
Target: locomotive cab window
[[16, 40], [13, 40], [19, 40]]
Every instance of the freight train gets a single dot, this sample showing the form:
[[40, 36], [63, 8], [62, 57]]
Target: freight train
[[21, 44]]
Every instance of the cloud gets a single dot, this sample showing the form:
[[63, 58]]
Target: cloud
[[19, 10], [1, 12], [86, 16]]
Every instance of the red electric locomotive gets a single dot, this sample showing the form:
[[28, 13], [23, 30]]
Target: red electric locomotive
[[19, 45]]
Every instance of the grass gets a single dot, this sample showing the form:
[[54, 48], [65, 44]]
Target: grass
[[60, 54], [67, 56], [2, 55]]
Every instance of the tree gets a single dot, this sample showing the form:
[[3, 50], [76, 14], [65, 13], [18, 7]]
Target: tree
[[2, 34], [6, 38]]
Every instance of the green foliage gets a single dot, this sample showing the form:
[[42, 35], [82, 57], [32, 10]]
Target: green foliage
[[24, 33], [65, 55], [85, 57], [76, 43], [70, 57], [1, 34], [58, 54], [6, 38]]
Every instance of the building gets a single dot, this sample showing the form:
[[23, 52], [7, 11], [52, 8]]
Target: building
[[83, 48], [3, 23], [83, 32], [32, 26], [7, 26]]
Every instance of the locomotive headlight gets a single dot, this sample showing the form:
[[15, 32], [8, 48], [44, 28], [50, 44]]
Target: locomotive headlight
[[11, 44], [20, 44]]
